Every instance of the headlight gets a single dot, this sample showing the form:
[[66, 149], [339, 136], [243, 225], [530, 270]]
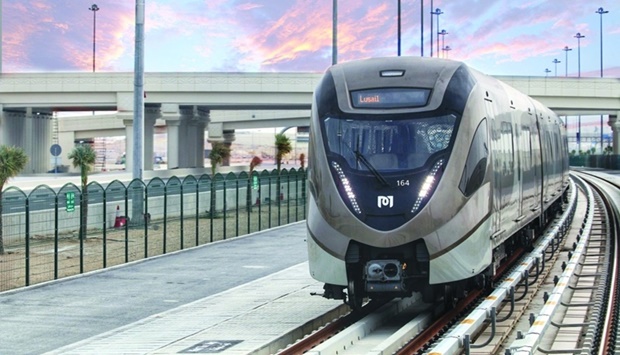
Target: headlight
[[427, 186], [347, 188]]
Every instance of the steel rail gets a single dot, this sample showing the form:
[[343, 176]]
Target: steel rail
[[532, 338], [611, 312], [455, 341], [602, 333]]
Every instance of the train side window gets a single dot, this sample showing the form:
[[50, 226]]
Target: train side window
[[476, 163]]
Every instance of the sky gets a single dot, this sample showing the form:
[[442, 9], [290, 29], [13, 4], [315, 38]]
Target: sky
[[496, 37]]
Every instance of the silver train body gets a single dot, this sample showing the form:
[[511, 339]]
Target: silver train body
[[423, 173]]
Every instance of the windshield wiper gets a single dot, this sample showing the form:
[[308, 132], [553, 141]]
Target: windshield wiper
[[359, 156]]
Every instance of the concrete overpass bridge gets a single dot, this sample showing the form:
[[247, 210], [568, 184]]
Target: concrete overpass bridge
[[188, 104]]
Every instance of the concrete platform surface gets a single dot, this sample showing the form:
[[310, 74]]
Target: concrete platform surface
[[175, 292]]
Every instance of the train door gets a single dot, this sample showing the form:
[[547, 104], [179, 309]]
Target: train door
[[528, 169], [496, 149], [540, 168], [519, 164], [534, 156]]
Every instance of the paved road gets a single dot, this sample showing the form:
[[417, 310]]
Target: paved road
[[41, 318]]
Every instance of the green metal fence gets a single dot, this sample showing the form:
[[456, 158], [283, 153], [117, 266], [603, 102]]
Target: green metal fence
[[607, 161], [43, 238]]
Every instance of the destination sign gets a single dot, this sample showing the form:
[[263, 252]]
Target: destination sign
[[390, 98]]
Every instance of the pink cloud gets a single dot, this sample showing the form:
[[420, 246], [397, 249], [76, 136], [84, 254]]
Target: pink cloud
[[298, 42], [291, 36], [248, 6], [60, 38]]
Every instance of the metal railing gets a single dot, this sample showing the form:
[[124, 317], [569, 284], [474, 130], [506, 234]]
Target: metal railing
[[43, 238], [607, 161]]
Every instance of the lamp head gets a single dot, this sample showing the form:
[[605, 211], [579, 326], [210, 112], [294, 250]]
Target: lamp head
[[601, 11]]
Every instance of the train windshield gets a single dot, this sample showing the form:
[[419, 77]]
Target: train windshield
[[386, 144]]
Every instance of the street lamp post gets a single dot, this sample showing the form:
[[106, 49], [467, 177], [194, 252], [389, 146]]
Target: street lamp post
[[443, 34], [566, 50], [547, 71], [398, 28], [431, 28], [94, 8], [446, 49], [421, 28], [556, 61], [579, 36], [335, 32], [600, 11], [436, 12]]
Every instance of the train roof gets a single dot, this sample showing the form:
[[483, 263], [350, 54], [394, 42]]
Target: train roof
[[425, 72]]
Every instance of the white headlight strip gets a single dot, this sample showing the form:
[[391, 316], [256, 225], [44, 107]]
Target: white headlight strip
[[347, 187], [427, 186]]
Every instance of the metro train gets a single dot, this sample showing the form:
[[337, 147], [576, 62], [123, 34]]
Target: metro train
[[424, 175]]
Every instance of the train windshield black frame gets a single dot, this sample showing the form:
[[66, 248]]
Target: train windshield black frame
[[388, 144], [390, 98]]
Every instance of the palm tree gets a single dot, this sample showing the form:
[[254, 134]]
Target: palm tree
[[12, 162], [219, 153], [83, 156], [283, 147]]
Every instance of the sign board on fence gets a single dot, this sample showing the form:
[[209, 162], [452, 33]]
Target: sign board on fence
[[70, 201]]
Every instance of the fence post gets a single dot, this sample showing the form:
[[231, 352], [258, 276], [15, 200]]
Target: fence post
[[28, 241], [181, 216], [269, 220], [237, 206], [147, 221], [197, 212], [165, 213], [260, 188], [211, 207], [297, 196], [126, 224], [82, 230], [288, 197], [105, 227], [224, 206], [55, 236]]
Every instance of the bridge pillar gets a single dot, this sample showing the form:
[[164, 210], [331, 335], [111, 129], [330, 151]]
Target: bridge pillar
[[32, 131], [150, 117], [615, 129], [124, 102], [229, 137], [203, 116], [187, 135], [148, 146], [185, 127]]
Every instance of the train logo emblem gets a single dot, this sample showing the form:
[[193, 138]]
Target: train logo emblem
[[385, 201]]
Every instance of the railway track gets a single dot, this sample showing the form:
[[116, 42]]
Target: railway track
[[542, 303], [571, 310]]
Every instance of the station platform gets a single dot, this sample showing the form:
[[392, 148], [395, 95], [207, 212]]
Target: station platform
[[216, 298]]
